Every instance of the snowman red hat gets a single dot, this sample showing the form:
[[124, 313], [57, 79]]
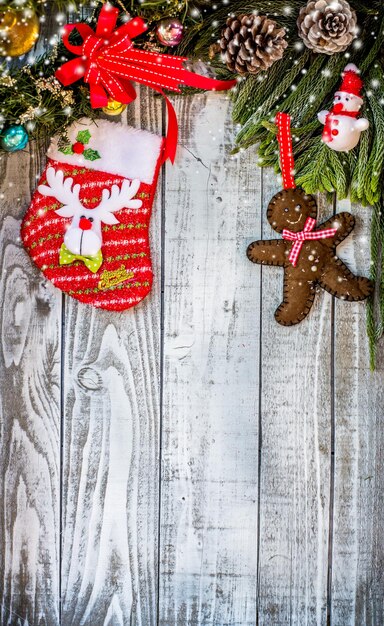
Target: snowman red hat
[[351, 83]]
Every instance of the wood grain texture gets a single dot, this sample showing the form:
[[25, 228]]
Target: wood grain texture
[[270, 438], [30, 319], [208, 550], [111, 449], [30, 312], [295, 451], [358, 549]]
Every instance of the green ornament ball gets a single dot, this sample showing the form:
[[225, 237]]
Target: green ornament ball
[[14, 138]]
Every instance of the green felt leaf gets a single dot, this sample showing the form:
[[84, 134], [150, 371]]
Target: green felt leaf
[[66, 150], [83, 136], [91, 155]]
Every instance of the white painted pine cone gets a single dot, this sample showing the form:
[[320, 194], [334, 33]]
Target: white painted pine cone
[[327, 26]]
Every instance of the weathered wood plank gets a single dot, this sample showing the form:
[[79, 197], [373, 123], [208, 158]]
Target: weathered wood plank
[[216, 397], [30, 311], [208, 550], [295, 452], [358, 549], [111, 441], [29, 407]]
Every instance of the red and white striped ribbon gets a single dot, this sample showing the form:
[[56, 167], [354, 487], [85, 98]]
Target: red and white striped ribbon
[[287, 164]]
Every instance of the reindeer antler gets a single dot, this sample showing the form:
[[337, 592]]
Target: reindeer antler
[[118, 198], [63, 192]]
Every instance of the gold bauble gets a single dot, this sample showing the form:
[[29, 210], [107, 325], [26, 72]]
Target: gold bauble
[[19, 31], [114, 107]]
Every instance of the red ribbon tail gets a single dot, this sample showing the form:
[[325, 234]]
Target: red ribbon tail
[[99, 97], [204, 82], [70, 72], [192, 80], [170, 145], [172, 132]]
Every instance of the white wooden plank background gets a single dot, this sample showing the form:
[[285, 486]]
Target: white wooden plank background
[[208, 546], [295, 414], [188, 462], [111, 449], [30, 415], [358, 548]]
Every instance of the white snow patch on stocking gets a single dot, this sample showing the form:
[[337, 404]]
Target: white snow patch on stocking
[[123, 150]]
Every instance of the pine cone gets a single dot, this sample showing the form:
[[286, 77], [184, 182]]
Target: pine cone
[[251, 43], [327, 26]]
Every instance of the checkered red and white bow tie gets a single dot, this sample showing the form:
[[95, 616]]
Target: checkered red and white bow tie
[[306, 234]]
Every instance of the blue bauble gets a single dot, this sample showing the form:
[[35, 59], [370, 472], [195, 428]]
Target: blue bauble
[[14, 138]]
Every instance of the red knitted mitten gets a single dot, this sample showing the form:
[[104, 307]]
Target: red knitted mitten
[[87, 225]]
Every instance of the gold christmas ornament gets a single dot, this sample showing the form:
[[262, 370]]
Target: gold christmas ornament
[[114, 107], [19, 31]]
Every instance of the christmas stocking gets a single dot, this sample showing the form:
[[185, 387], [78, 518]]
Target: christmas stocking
[[87, 225]]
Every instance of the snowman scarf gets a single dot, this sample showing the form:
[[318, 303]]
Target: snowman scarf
[[330, 129]]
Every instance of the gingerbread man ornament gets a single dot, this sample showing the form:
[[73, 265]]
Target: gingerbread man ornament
[[307, 251]]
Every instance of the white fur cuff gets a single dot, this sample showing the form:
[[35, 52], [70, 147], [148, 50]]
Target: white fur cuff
[[123, 150]]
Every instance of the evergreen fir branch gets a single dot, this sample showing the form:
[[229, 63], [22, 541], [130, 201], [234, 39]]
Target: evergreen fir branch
[[338, 163], [308, 104], [304, 131], [377, 46], [375, 308], [308, 167], [264, 111], [251, 91], [365, 145], [303, 136], [375, 165], [246, 97], [316, 81]]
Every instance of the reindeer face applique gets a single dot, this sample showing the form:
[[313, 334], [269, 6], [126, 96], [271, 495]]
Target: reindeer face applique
[[83, 237], [87, 227]]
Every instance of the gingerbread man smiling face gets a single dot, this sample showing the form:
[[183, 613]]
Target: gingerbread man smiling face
[[289, 209], [308, 254]]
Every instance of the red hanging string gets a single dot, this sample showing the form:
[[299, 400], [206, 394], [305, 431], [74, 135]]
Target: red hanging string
[[287, 164]]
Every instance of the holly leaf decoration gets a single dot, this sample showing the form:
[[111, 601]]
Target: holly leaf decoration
[[91, 155], [83, 136], [66, 150]]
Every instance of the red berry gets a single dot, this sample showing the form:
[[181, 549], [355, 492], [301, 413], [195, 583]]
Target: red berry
[[335, 132], [78, 147]]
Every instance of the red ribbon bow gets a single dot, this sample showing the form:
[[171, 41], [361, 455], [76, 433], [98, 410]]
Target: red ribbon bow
[[108, 61], [305, 235]]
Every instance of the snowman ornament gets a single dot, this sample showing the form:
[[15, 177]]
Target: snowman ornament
[[342, 127]]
